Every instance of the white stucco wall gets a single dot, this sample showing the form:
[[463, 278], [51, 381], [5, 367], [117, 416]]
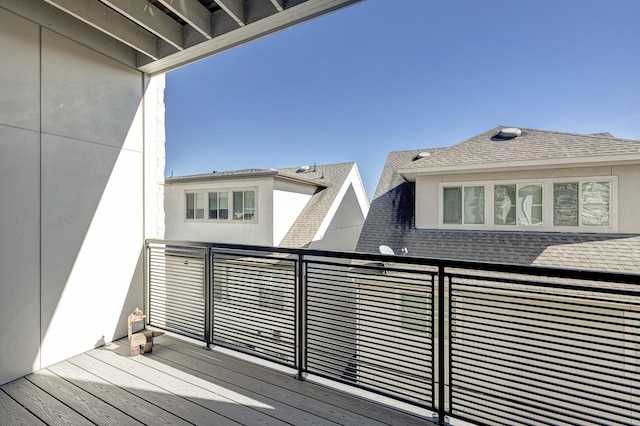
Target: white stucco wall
[[71, 175], [624, 207], [341, 227], [289, 199], [258, 232]]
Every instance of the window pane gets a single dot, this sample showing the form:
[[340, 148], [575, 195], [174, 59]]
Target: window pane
[[199, 205], [213, 205], [414, 312], [190, 206], [238, 208], [594, 203], [223, 205], [249, 205], [565, 204], [530, 205], [452, 205], [504, 208], [474, 204]]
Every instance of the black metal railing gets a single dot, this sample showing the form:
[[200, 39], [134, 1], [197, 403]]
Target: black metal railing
[[479, 342]]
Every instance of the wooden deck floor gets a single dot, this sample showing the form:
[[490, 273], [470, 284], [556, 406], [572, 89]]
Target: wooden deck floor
[[179, 384]]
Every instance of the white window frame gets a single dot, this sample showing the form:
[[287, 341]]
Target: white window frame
[[229, 190], [547, 205], [462, 206]]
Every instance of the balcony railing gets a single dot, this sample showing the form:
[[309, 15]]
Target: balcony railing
[[478, 342]]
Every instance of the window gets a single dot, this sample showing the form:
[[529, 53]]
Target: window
[[270, 293], [463, 204], [582, 204], [218, 205], [517, 204], [244, 205], [195, 205], [413, 311]]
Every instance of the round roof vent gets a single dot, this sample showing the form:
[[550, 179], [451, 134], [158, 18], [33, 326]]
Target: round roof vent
[[423, 154], [509, 133]]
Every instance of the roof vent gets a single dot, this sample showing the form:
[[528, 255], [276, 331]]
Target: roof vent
[[424, 154], [509, 133]]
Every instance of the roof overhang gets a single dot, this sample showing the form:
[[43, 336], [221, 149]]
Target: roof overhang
[[218, 177], [410, 173], [167, 34]]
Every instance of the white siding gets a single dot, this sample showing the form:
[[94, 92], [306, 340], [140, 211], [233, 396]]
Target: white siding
[[289, 199], [258, 232]]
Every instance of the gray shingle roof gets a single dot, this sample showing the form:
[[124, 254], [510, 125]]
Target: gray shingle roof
[[391, 219], [531, 145]]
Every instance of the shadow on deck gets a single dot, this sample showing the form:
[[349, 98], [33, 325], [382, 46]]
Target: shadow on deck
[[179, 384]]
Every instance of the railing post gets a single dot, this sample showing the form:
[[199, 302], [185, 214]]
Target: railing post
[[301, 318], [441, 345], [208, 287]]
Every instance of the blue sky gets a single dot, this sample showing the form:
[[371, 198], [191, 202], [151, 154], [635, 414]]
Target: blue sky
[[388, 75]]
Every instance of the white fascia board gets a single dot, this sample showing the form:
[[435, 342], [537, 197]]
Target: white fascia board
[[410, 174], [150, 18], [300, 13]]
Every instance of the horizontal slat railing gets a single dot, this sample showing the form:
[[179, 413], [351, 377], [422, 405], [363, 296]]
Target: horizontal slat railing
[[484, 343]]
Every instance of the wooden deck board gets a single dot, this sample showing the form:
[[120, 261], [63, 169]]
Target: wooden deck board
[[12, 413], [151, 393], [94, 409], [219, 400], [41, 404], [246, 390], [302, 393], [127, 402], [180, 384]]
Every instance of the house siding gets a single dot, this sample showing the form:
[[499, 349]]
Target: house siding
[[72, 171]]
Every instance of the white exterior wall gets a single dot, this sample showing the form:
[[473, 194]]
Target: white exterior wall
[[625, 203], [258, 232], [71, 175], [342, 225], [289, 199]]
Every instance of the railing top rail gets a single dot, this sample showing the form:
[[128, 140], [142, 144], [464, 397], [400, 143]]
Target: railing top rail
[[536, 270]]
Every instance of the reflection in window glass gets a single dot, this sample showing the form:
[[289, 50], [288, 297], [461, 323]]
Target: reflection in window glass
[[218, 205], [452, 205], [414, 310], [190, 206], [249, 205], [238, 206], [529, 211], [474, 204], [199, 205], [504, 206], [565, 204], [223, 205], [594, 203]]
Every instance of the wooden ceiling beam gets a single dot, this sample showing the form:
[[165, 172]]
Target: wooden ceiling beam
[[110, 22], [150, 18], [193, 13], [233, 8], [278, 5]]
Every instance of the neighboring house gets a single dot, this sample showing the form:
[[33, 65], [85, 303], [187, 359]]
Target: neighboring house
[[519, 196], [510, 195], [321, 207]]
